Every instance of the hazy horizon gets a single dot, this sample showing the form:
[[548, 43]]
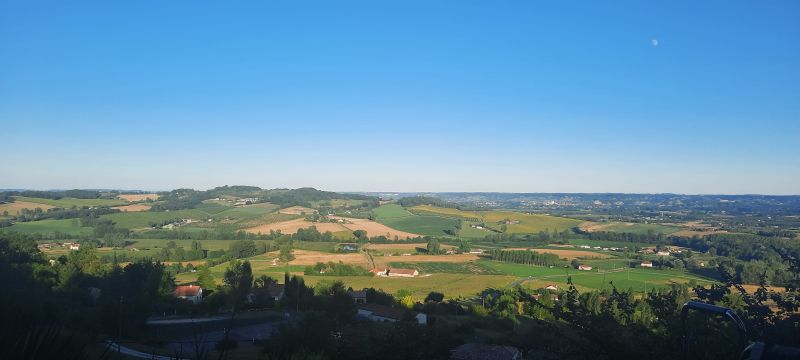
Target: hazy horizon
[[143, 190], [676, 97]]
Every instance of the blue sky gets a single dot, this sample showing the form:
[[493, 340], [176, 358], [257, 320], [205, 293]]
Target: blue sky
[[513, 96]]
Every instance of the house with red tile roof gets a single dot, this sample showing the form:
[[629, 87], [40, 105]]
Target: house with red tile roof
[[193, 293]]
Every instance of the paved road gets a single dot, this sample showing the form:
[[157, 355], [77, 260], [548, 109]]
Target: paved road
[[244, 336], [187, 320], [117, 348]]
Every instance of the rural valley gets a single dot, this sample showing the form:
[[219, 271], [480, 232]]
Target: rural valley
[[235, 249], [399, 180]]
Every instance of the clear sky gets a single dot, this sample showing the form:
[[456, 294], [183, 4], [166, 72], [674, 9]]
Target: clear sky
[[511, 96]]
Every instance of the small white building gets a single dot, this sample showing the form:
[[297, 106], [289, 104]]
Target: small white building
[[359, 297], [647, 264], [663, 253], [75, 246], [584, 267], [397, 272]]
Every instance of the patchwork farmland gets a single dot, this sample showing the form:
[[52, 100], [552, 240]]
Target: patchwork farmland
[[455, 273]]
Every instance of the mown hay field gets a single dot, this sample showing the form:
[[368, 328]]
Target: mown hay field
[[15, 207], [133, 207], [297, 210], [374, 228], [291, 227], [138, 197], [446, 211]]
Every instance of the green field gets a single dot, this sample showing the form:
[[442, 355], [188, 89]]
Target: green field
[[228, 215], [638, 228], [212, 207], [324, 246], [246, 212], [390, 211], [451, 285], [623, 277], [397, 217], [141, 219], [449, 268], [528, 223], [70, 202], [423, 225], [261, 265], [65, 226], [467, 231], [639, 280], [159, 243], [604, 243], [525, 223], [447, 212], [337, 203]]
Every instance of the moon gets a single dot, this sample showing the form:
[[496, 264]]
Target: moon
[[654, 42]]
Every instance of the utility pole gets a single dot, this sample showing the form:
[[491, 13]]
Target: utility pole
[[119, 329]]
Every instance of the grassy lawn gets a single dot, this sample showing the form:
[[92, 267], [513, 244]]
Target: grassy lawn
[[70, 202]]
